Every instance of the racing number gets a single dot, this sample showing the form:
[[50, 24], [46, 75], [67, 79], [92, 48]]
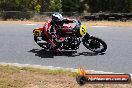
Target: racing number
[[37, 33], [83, 30]]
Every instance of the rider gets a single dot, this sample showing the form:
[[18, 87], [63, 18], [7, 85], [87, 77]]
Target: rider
[[57, 21]]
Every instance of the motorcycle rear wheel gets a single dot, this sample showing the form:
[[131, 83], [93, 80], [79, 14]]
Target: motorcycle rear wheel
[[95, 44]]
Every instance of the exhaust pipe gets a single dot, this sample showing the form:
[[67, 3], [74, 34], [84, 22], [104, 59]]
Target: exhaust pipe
[[41, 41]]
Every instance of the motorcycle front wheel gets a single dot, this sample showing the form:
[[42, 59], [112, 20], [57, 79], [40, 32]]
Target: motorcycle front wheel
[[95, 44]]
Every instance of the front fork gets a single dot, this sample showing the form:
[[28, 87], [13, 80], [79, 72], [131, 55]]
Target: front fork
[[85, 37]]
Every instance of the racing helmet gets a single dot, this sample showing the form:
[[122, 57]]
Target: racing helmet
[[57, 18]]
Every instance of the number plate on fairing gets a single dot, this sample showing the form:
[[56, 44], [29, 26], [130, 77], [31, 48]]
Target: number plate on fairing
[[37, 32], [83, 30]]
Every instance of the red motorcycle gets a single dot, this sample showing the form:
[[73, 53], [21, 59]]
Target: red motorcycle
[[71, 38]]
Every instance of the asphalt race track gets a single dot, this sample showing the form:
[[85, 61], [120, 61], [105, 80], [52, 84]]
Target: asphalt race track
[[17, 46]]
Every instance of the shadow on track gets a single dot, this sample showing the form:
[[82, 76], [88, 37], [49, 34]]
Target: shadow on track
[[49, 54]]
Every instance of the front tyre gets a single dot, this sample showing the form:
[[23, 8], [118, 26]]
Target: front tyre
[[95, 44]]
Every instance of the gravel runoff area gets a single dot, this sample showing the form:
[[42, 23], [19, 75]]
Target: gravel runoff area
[[89, 23]]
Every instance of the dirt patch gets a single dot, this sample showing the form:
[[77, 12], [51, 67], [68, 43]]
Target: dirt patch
[[18, 77], [109, 23], [89, 23]]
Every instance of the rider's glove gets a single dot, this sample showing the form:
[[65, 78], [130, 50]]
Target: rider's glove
[[75, 21]]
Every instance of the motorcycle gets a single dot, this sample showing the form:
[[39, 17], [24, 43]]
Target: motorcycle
[[72, 37]]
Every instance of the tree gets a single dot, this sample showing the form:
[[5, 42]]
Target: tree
[[55, 5], [44, 5], [34, 5], [9, 5], [19, 5], [70, 5], [80, 6], [121, 6]]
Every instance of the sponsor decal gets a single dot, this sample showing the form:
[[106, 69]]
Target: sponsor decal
[[83, 78]]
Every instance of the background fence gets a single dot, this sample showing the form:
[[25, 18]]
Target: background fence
[[109, 16], [44, 16]]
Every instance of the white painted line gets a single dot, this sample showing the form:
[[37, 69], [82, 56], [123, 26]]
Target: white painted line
[[30, 24], [56, 68], [98, 26]]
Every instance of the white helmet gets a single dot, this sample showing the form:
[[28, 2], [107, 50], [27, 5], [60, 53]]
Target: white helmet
[[57, 17]]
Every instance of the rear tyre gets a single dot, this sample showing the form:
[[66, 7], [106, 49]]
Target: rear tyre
[[95, 44]]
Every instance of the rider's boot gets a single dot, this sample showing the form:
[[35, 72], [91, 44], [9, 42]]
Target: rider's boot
[[54, 46]]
